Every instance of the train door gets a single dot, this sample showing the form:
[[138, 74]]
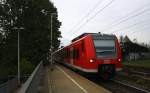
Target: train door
[[77, 55], [71, 56], [82, 53]]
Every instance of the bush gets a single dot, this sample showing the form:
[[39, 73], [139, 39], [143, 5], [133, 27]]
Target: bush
[[26, 67]]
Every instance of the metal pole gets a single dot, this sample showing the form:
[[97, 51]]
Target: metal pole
[[18, 57], [18, 73], [51, 37]]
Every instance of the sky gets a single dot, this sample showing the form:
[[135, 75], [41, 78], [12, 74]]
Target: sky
[[119, 17]]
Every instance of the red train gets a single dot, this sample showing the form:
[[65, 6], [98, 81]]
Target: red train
[[93, 53]]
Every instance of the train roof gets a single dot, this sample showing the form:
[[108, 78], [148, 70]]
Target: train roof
[[95, 36], [80, 36]]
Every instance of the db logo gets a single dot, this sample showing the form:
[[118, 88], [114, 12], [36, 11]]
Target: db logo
[[107, 61]]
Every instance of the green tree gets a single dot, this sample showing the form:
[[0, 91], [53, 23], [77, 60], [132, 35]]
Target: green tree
[[35, 17]]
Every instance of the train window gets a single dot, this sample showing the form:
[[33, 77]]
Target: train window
[[82, 45], [66, 53], [75, 53], [71, 52], [105, 48]]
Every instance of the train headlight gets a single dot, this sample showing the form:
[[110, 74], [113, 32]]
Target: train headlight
[[119, 60], [91, 61]]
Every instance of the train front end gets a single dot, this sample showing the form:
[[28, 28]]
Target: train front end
[[106, 57]]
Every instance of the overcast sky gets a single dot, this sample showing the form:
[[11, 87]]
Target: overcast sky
[[120, 17]]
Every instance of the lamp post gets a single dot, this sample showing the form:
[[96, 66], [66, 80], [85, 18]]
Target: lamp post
[[51, 47], [18, 74]]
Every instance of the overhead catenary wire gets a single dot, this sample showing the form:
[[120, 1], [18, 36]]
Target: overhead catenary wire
[[87, 15], [130, 26], [138, 31], [133, 25], [127, 17], [124, 19], [144, 25], [88, 20]]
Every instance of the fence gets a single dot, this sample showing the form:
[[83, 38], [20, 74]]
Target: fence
[[31, 85], [9, 86]]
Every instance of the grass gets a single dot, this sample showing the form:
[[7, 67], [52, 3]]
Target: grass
[[138, 63]]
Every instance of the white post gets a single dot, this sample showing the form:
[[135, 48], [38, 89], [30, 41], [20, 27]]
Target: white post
[[18, 57], [52, 37]]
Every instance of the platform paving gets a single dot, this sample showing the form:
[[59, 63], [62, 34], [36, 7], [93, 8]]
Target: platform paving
[[63, 80]]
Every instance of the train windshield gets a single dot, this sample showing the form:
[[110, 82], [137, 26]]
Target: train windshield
[[105, 48]]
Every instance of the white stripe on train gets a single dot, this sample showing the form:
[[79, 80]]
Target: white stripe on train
[[87, 70]]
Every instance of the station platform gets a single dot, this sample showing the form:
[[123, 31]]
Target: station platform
[[63, 80]]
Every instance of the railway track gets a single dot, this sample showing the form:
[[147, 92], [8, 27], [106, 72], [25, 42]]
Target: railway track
[[116, 86], [136, 89], [142, 75], [139, 73]]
